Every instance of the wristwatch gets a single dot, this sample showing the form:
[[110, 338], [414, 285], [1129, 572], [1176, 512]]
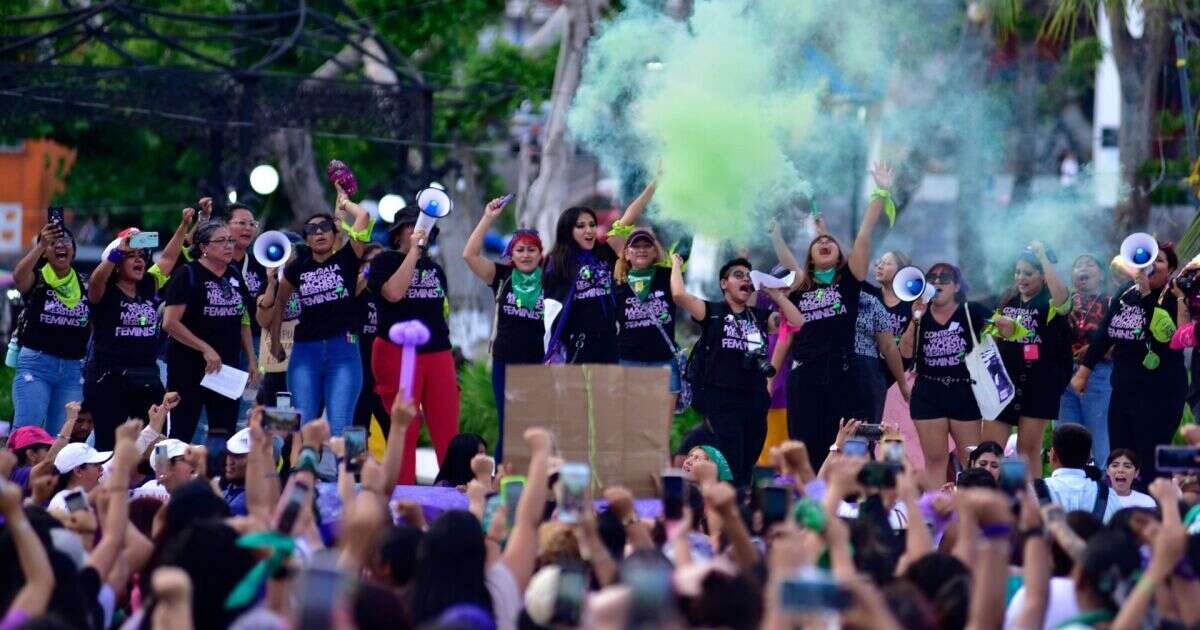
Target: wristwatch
[[834, 448]]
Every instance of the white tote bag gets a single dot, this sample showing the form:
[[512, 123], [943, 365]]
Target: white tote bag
[[989, 380]]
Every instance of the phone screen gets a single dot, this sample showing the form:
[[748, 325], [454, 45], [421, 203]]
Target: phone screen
[[1177, 458], [283, 400], [672, 499], [510, 494], [279, 420], [855, 447], [573, 480], [893, 452], [144, 240], [808, 595], [1013, 474], [291, 509], [356, 445], [76, 502], [55, 215], [161, 459], [775, 500], [568, 600]]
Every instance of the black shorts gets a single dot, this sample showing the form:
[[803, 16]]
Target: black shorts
[[1040, 387], [932, 400]]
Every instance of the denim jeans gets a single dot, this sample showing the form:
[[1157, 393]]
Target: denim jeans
[[1091, 409], [326, 373], [674, 382], [42, 387]]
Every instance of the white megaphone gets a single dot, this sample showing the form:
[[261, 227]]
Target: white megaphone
[[272, 249], [434, 204], [909, 285], [1139, 251]]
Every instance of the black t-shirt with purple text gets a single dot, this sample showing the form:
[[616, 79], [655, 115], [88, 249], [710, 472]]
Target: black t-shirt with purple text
[[424, 301], [637, 336], [519, 331], [326, 290], [737, 334], [592, 307], [51, 326], [215, 308], [830, 313], [124, 328], [942, 348]]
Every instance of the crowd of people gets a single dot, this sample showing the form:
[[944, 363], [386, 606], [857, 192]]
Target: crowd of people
[[845, 472]]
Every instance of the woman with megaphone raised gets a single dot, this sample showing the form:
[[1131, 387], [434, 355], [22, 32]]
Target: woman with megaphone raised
[[938, 338], [516, 281], [1149, 381], [1035, 343], [324, 369], [121, 379], [579, 276], [824, 386]]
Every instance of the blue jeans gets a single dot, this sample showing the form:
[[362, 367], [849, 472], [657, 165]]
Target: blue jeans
[[674, 384], [1091, 409], [42, 387], [326, 373]]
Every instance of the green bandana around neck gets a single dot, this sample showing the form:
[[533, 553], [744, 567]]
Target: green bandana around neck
[[824, 276], [527, 287], [639, 281], [67, 288]]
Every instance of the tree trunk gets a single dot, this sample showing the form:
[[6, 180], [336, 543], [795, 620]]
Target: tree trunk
[[472, 307], [550, 192], [305, 190], [1025, 152], [1139, 63]]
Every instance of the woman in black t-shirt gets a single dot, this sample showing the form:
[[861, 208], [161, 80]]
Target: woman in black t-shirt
[[938, 340], [1036, 348], [729, 366], [579, 276], [409, 286], [209, 326], [824, 386], [645, 308], [325, 369], [519, 328], [53, 331], [121, 379]]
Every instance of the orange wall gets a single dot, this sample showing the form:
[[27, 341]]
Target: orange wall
[[29, 177]]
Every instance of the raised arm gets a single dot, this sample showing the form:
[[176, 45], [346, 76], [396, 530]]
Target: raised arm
[[35, 563], [690, 303], [634, 211], [23, 274], [860, 255], [473, 251], [265, 313], [1036, 564], [98, 283], [403, 411], [786, 308], [262, 479], [1058, 289], [116, 519], [396, 286], [362, 218], [170, 254], [520, 555]]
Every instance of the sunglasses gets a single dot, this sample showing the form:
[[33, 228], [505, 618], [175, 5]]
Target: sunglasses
[[320, 227], [942, 278]]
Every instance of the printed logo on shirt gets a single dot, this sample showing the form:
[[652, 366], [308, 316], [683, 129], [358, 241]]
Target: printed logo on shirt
[[321, 285], [1128, 323], [943, 348], [254, 282], [740, 333], [510, 308], [593, 282], [223, 301], [55, 313], [371, 327], [821, 303], [137, 319], [639, 314], [1027, 317], [425, 286], [291, 310]]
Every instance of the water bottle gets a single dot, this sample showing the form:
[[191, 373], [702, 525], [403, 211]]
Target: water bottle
[[14, 349]]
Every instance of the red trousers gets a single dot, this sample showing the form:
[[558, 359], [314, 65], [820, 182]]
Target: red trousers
[[435, 395]]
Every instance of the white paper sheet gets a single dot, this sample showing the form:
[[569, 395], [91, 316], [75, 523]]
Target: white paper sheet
[[229, 382], [761, 280]]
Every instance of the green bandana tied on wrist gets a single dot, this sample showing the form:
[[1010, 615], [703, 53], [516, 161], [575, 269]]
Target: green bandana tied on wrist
[[281, 547], [67, 288], [824, 276], [639, 281], [889, 204], [527, 287]]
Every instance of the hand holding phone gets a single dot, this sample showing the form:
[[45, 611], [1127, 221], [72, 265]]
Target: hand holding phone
[[511, 488], [573, 479], [356, 448], [281, 421], [76, 501], [776, 501], [674, 487], [1014, 474], [294, 502], [144, 240]]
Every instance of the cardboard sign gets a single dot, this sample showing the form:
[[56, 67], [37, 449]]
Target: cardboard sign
[[616, 419], [266, 362]]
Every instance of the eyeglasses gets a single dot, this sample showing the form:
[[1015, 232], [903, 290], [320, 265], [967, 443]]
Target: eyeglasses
[[942, 278], [739, 275], [312, 229], [220, 242], [244, 223]]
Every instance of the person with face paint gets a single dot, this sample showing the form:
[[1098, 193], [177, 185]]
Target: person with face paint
[[53, 330], [408, 285], [1035, 343], [517, 285], [938, 338], [729, 366], [645, 308], [1089, 304], [579, 275], [206, 318], [824, 385], [121, 379], [1149, 380], [325, 369]]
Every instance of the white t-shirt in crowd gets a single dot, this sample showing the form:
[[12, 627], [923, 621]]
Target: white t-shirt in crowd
[[1135, 499], [506, 597], [1062, 604]]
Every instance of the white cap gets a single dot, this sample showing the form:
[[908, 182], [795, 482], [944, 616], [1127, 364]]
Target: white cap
[[175, 448], [540, 594], [239, 444], [77, 454]]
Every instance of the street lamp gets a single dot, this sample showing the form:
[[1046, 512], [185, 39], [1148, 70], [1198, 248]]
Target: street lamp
[[264, 179], [389, 206]]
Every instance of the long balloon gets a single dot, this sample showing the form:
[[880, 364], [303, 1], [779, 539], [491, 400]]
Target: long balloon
[[408, 335]]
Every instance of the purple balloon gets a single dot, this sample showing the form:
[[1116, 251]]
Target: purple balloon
[[409, 333]]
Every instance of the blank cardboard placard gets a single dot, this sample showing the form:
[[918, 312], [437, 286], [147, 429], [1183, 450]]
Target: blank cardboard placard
[[614, 418]]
